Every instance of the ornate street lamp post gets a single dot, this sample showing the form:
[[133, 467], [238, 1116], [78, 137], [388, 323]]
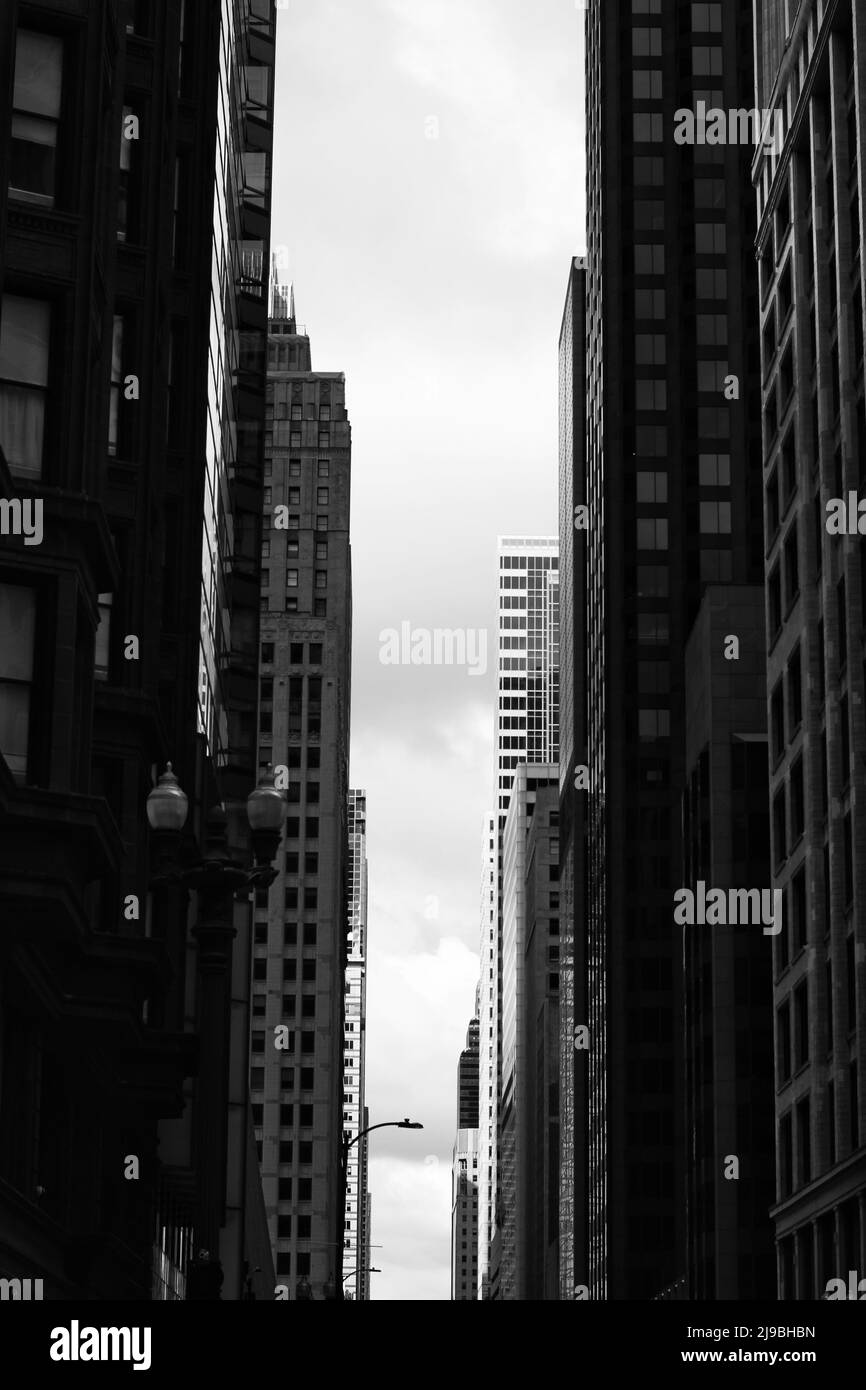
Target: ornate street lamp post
[[218, 879]]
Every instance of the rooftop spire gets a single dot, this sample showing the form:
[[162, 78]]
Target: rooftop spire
[[292, 325]]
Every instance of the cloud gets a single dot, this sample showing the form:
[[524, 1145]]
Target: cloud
[[411, 1229], [431, 272]]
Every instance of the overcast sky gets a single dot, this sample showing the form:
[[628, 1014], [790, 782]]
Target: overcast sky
[[428, 196]]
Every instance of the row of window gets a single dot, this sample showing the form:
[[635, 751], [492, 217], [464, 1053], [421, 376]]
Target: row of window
[[294, 500]]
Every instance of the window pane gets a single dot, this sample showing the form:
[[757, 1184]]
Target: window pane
[[17, 634], [38, 70], [24, 336]]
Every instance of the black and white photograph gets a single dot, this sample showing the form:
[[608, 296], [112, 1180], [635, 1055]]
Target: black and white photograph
[[432, 675]]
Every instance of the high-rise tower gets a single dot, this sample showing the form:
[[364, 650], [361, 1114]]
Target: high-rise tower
[[356, 1238], [811, 68], [301, 925], [527, 730], [672, 482]]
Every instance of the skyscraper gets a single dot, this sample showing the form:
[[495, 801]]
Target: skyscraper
[[811, 68], [356, 1238], [527, 730], [467, 1075], [671, 486], [464, 1217], [301, 925], [529, 1150], [135, 160], [572, 754], [488, 1052]]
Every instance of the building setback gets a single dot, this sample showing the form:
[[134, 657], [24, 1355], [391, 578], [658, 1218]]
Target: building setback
[[301, 925], [812, 68], [132, 337], [672, 484]]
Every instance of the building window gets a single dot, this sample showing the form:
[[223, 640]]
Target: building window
[[715, 518], [801, 1025], [649, 259], [115, 402], [798, 904], [647, 84], [646, 42], [706, 62], [291, 579], [323, 498], [25, 335], [652, 533], [324, 468], [294, 499], [35, 116], [783, 1042], [321, 579], [17, 654]]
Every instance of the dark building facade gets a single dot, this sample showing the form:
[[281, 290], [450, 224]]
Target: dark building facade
[[541, 1045], [302, 924], [672, 486], [135, 148], [573, 807], [812, 70], [728, 1034]]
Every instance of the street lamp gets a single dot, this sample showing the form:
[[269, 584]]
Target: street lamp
[[217, 878], [353, 1274], [344, 1170]]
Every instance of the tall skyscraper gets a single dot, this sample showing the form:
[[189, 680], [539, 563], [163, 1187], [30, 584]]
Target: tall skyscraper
[[812, 68], [301, 926], [572, 754], [467, 1075], [527, 730], [488, 1052], [464, 1217], [356, 1237], [671, 482], [135, 173], [529, 1109]]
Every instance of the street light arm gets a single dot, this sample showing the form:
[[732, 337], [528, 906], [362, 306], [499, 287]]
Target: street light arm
[[383, 1124]]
